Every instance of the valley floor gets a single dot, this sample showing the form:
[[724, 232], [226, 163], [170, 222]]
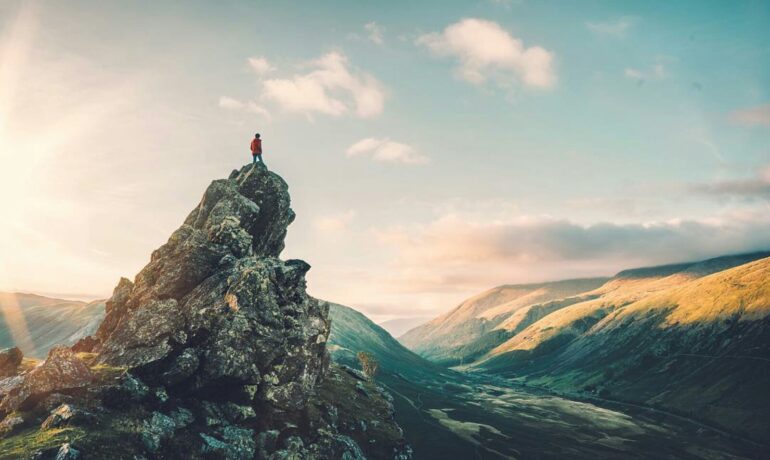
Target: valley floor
[[467, 416]]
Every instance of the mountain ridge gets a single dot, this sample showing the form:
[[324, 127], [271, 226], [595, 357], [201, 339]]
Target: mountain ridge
[[487, 320], [697, 347], [471, 323]]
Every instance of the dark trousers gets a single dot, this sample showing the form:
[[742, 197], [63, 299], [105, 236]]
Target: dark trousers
[[254, 158]]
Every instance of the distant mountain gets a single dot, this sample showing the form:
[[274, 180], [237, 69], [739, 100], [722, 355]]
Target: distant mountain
[[693, 338], [447, 414], [397, 327], [625, 288], [474, 327], [36, 323]]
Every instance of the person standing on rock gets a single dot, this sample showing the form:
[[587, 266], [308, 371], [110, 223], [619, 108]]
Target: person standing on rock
[[256, 150]]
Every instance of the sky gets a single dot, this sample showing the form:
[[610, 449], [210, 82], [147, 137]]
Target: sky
[[432, 149]]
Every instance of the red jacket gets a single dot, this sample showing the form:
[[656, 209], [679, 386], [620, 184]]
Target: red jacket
[[256, 146]]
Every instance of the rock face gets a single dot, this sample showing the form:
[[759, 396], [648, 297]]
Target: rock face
[[10, 358], [215, 350], [62, 370], [215, 308], [64, 415]]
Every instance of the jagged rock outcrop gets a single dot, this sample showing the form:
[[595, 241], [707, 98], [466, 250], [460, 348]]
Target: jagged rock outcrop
[[65, 415], [215, 308], [10, 358], [61, 371], [215, 350]]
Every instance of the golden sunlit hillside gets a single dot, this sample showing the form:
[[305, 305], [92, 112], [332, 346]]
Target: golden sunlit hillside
[[699, 347], [467, 325]]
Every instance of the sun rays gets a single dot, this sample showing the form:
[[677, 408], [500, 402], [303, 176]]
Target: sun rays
[[54, 109], [14, 50]]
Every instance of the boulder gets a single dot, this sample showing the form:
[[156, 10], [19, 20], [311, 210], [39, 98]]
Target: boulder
[[66, 414], [10, 424], [182, 368], [337, 446], [267, 442], [63, 452], [157, 428], [10, 358], [8, 384], [230, 442], [145, 336], [293, 449], [61, 371], [182, 417], [67, 452], [224, 413], [129, 391]]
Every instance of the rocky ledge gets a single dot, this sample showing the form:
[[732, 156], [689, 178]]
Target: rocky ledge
[[214, 351]]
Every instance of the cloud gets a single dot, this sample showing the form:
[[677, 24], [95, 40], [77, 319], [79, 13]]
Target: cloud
[[334, 223], [375, 32], [466, 254], [386, 151], [616, 28], [655, 72], [257, 109], [229, 103], [506, 3], [754, 116], [333, 87], [757, 187], [486, 51], [260, 65]]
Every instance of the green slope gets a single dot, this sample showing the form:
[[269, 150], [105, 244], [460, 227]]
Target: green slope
[[415, 383], [352, 332]]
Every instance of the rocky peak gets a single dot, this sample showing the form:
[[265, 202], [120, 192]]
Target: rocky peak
[[215, 349], [252, 205], [215, 306]]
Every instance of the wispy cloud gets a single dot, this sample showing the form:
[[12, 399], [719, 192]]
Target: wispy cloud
[[260, 66], [506, 3], [754, 116], [616, 28], [374, 32], [655, 72], [332, 87], [386, 151], [229, 103], [485, 51], [334, 223], [751, 188]]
